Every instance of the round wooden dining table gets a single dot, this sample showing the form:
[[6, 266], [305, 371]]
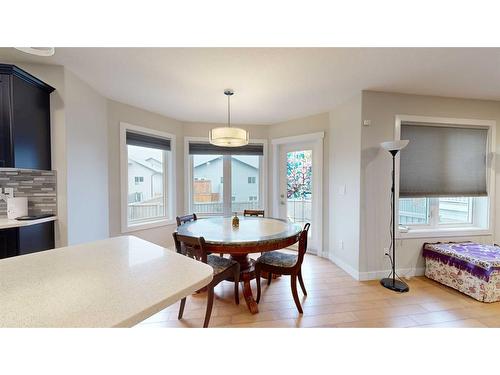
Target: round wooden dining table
[[254, 235]]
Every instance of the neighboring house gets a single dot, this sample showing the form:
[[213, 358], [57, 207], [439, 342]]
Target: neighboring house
[[208, 181], [144, 180]]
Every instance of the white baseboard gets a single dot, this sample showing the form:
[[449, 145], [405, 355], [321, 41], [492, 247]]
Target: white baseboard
[[346, 267], [402, 272], [376, 275]]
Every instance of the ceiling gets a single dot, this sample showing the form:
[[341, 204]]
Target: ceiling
[[271, 84]]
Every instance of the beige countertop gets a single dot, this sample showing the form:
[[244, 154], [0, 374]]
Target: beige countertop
[[117, 282], [12, 223]]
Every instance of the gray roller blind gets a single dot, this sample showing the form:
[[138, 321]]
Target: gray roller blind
[[443, 161], [208, 149], [142, 140]]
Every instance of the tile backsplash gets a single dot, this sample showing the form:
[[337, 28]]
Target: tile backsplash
[[39, 186]]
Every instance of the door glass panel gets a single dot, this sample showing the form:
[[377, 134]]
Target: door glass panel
[[208, 184], [299, 186]]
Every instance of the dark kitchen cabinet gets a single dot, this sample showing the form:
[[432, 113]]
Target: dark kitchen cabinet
[[36, 238], [26, 240], [24, 143], [24, 120], [8, 243]]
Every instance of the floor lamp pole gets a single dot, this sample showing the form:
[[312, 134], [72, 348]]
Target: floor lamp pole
[[392, 283]]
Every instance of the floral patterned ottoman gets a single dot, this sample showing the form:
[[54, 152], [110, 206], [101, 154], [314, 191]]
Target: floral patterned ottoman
[[471, 268]]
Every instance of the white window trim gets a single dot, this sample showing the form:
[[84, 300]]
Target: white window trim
[[188, 175], [169, 179], [444, 230]]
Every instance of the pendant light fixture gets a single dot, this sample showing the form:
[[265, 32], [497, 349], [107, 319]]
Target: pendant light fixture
[[228, 136], [38, 51]]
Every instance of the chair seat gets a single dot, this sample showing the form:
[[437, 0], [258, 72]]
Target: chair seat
[[219, 264], [278, 259]]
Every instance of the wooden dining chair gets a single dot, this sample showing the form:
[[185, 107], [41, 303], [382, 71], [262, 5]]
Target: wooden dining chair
[[275, 262], [256, 213], [194, 247], [186, 218]]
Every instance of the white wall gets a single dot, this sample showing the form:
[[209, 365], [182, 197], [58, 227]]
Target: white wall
[[381, 109], [86, 157], [344, 186]]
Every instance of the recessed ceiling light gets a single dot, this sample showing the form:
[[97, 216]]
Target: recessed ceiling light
[[38, 51]]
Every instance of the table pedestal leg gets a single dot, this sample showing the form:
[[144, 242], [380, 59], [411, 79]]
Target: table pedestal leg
[[247, 273]]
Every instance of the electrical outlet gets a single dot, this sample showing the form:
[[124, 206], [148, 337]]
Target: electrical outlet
[[341, 244]]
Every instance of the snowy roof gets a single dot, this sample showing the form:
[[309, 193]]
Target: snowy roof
[[246, 159], [154, 168]]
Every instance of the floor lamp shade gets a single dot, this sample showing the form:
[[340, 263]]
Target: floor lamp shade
[[394, 145]]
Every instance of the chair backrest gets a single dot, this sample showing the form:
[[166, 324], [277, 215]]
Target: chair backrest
[[256, 213], [186, 218], [192, 247], [303, 243]]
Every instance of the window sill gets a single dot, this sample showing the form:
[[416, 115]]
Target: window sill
[[148, 225], [443, 232]]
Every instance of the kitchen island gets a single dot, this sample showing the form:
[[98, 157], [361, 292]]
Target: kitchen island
[[117, 282]]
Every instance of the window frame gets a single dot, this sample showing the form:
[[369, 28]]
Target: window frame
[[168, 179], [433, 228], [433, 213], [227, 193]]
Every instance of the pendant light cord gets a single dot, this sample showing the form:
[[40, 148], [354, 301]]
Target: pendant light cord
[[229, 111]]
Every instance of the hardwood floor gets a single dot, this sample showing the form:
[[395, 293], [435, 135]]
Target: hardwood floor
[[336, 300]]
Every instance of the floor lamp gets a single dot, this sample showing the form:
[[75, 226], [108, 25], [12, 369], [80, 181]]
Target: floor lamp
[[390, 282]]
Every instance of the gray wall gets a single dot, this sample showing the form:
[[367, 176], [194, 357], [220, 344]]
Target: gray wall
[[118, 112], [79, 152], [87, 170], [381, 109], [344, 184]]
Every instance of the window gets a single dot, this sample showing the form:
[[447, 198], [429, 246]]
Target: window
[[241, 167], [233, 178], [446, 212], [444, 176], [207, 187], [147, 188], [413, 211]]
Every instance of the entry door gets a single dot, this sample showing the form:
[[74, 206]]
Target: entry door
[[297, 191]]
